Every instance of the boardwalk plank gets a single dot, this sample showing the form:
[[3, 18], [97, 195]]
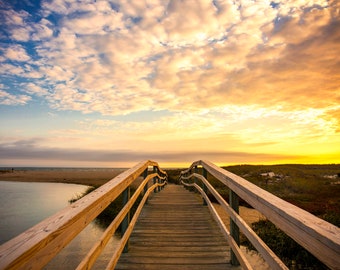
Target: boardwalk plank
[[175, 231], [175, 267]]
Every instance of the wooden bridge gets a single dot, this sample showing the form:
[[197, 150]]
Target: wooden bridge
[[176, 231], [173, 228]]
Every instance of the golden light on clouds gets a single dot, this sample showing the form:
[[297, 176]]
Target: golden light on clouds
[[116, 81]]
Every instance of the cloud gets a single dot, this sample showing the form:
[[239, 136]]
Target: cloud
[[186, 24], [332, 116], [229, 134], [9, 99], [14, 18], [28, 150], [15, 21], [126, 57], [42, 30], [231, 127], [20, 33], [99, 19], [10, 70], [33, 89], [16, 53]]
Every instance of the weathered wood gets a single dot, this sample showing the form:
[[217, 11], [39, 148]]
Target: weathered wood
[[36, 246], [93, 254], [235, 249], [153, 266], [168, 235], [179, 249], [126, 220], [205, 189], [319, 237], [273, 261], [234, 230], [125, 238], [155, 178], [145, 174]]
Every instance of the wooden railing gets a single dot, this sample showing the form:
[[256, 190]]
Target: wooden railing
[[35, 247], [319, 237]]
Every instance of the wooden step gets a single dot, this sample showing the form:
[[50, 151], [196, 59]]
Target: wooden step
[[176, 231]]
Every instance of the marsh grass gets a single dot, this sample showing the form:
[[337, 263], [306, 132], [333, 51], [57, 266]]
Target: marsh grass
[[306, 186], [104, 219], [285, 247], [79, 196]]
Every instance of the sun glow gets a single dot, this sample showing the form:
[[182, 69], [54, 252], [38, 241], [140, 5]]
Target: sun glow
[[124, 82]]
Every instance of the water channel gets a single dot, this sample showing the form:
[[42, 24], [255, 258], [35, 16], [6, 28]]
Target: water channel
[[22, 205]]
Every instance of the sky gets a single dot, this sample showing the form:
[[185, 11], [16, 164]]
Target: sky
[[109, 83]]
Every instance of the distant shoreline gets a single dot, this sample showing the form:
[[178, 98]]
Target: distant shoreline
[[71, 176]]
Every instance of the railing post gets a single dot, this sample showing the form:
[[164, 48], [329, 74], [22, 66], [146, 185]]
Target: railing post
[[205, 189], [126, 220], [158, 181], [162, 181], [145, 174], [196, 171], [184, 175], [195, 179], [234, 230], [155, 178], [162, 187]]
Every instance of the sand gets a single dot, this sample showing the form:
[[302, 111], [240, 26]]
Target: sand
[[84, 177], [249, 215]]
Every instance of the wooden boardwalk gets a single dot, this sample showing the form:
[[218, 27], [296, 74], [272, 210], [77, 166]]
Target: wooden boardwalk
[[175, 231]]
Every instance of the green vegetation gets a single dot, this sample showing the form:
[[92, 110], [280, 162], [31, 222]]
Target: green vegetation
[[79, 196], [314, 188], [306, 186], [173, 175], [285, 247], [107, 216]]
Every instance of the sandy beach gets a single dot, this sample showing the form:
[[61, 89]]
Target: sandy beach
[[84, 177]]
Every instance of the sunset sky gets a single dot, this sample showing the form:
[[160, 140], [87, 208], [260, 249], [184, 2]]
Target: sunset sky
[[109, 83]]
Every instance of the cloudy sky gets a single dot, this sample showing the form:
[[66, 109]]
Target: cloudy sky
[[113, 82]]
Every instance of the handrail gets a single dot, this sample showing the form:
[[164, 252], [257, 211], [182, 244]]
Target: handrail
[[319, 237], [244, 263], [89, 260], [273, 261], [35, 247], [123, 241]]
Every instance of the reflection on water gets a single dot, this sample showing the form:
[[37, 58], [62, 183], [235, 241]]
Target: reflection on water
[[22, 205], [71, 256]]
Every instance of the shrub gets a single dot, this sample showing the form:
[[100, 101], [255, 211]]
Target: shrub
[[284, 246]]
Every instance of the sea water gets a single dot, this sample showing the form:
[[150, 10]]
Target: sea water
[[22, 205]]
